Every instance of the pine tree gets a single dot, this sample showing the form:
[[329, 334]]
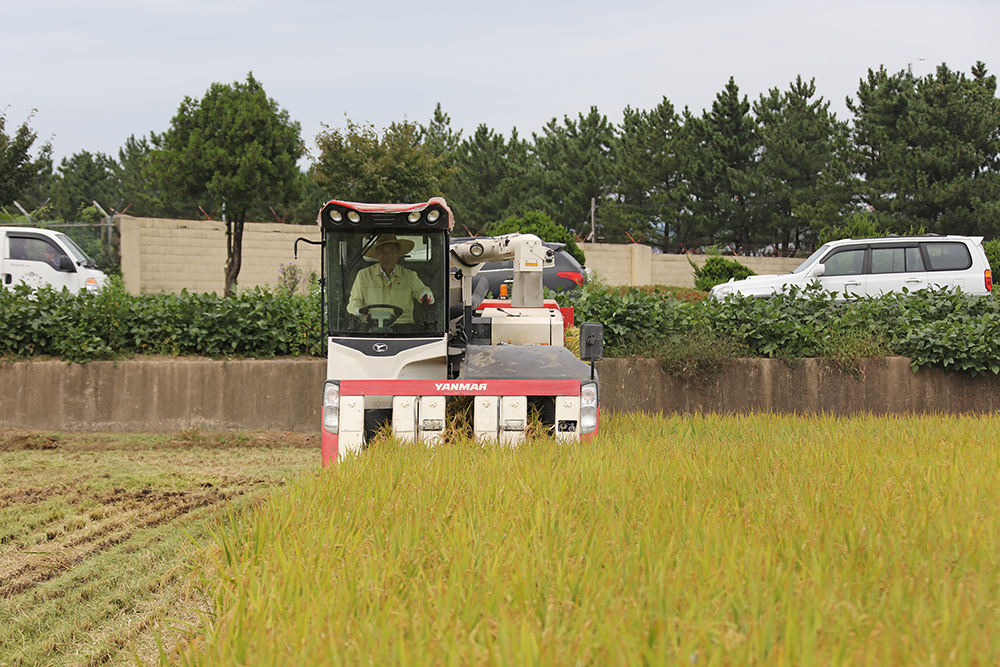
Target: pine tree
[[83, 178], [575, 167], [803, 165], [721, 172], [478, 189], [926, 149], [646, 170]]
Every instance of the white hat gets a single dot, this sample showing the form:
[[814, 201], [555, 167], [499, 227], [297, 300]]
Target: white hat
[[405, 245]]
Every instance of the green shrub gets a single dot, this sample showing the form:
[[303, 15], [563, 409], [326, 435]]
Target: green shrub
[[867, 226], [718, 270], [630, 315], [112, 323]]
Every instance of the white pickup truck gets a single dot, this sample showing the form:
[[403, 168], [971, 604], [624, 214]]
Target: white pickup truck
[[40, 257]]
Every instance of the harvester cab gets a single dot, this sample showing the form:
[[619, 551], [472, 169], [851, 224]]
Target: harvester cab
[[409, 328]]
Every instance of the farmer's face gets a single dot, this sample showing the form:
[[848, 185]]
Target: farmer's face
[[387, 255]]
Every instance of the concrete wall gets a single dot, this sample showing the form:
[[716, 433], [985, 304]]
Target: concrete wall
[[636, 264], [160, 255], [284, 395], [812, 387], [163, 395]]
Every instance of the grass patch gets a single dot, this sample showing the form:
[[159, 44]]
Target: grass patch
[[679, 293], [848, 349], [696, 356], [681, 540]]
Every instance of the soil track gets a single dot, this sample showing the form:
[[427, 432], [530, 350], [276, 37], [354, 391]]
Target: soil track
[[96, 530], [115, 520]]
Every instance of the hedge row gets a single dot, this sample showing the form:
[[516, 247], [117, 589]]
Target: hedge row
[[113, 323], [948, 329], [953, 330]]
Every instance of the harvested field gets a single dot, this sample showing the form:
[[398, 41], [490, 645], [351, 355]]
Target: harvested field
[[97, 532]]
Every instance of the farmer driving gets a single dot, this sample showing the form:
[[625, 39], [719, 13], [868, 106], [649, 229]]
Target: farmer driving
[[388, 283]]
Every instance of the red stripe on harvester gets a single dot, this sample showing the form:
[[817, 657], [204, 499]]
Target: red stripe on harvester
[[460, 387]]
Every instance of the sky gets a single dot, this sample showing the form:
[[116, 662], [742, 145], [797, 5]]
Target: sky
[[87, 75]]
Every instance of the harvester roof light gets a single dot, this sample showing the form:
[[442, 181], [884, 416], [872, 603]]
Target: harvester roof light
[[413, 217], [433, 215], [336, 215], [354, 216]]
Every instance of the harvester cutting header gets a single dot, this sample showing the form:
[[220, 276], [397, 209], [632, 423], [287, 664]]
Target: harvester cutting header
[[409, 326]]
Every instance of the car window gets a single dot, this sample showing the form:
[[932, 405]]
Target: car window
[[896, 260], [81, 256], [35, 250], [810, 260], [945, 256], [848, 262]]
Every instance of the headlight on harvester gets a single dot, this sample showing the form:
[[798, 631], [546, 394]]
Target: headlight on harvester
[[331, 407], [588, 407]]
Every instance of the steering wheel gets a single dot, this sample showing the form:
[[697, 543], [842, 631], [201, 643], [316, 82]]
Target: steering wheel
[[382, 319]]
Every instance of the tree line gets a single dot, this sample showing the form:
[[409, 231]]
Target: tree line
[[775, 174]]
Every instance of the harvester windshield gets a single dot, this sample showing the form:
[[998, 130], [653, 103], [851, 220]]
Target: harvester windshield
[[386, 281]]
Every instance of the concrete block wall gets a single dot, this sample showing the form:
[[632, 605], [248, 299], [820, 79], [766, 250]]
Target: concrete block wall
[[611, 262], [161, 256], [636, 264]]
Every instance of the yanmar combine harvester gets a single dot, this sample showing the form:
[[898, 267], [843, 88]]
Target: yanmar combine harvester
[[409, 328]]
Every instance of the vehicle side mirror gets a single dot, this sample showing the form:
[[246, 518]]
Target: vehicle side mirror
[[817, 271], [591, 341], [66, 264]]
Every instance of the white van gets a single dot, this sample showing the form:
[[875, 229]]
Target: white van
[[40, 257], [871, 267]]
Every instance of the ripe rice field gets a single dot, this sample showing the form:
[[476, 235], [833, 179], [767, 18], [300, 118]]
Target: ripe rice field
[[694, 540]]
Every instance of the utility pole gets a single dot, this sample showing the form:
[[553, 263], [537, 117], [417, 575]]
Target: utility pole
[[22, 211], [593, 223]]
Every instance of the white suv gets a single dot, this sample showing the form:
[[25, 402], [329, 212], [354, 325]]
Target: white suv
[[870, 267]]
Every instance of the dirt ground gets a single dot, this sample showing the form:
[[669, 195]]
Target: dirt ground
[[12, 440], [97, 532]]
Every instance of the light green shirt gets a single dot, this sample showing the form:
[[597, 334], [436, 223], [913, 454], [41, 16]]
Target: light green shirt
[[401, 288]]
